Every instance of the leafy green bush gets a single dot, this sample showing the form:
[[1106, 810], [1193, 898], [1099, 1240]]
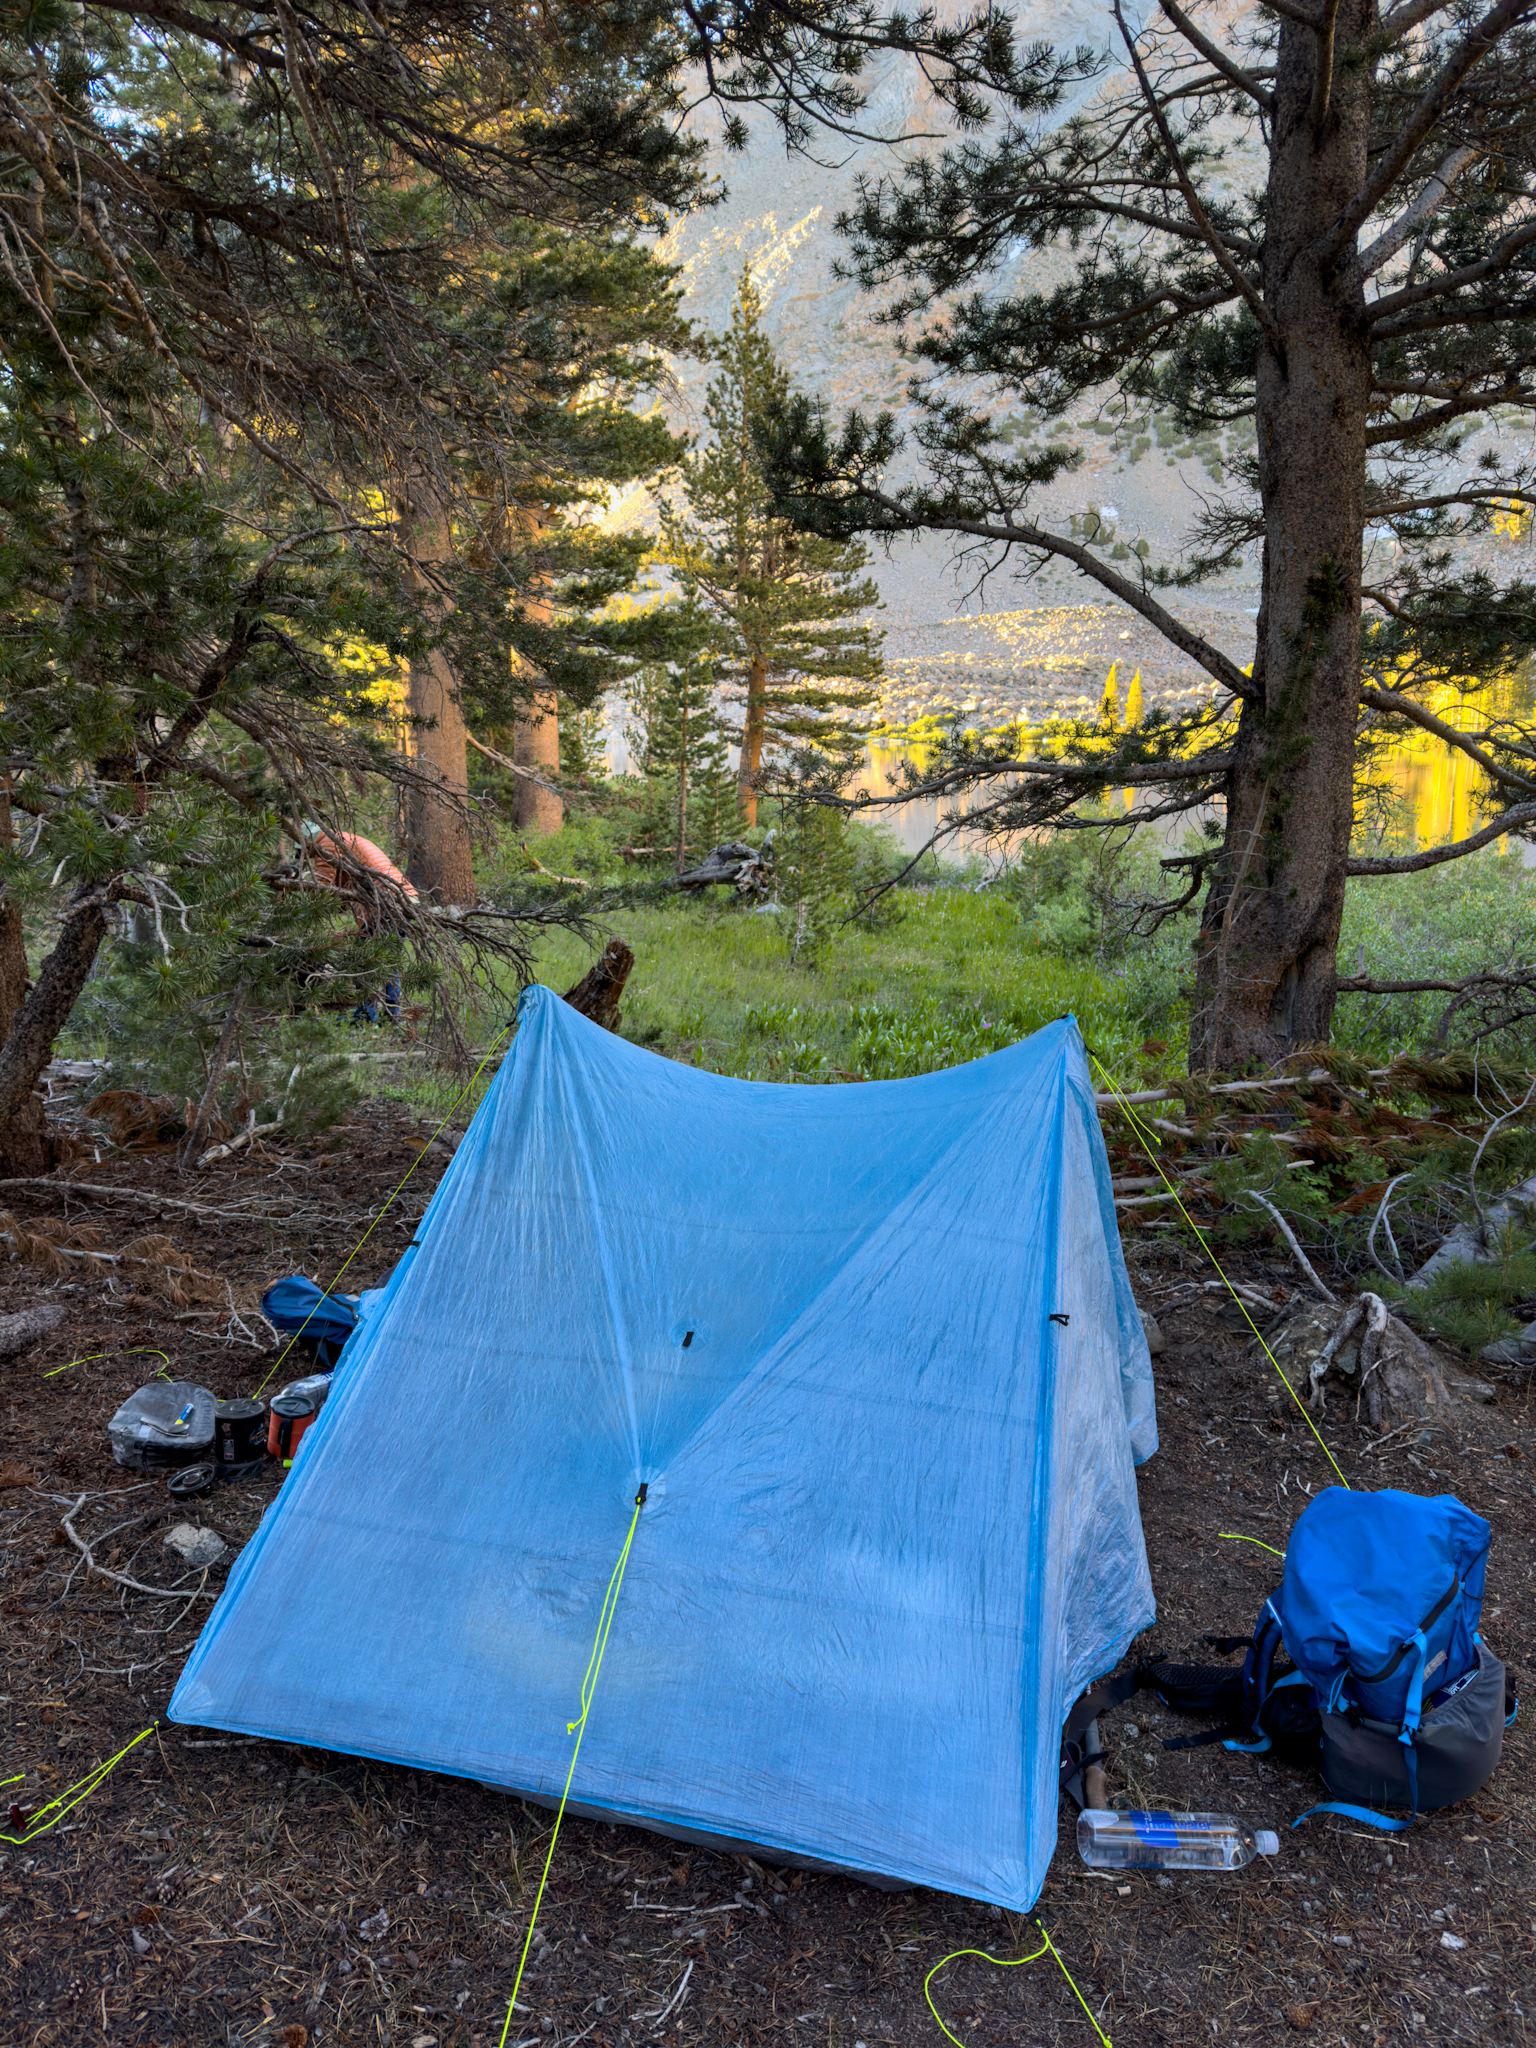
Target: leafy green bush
[[1440, 924], [1469, 1304]]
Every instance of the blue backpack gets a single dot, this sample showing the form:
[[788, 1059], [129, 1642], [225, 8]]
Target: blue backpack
[[319, 1321], [1378, 1611]]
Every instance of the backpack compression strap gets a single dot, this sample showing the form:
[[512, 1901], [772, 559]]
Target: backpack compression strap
[[1371, 1819], [1412, 1714]]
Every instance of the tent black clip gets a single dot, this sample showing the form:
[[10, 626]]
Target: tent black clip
[[640, 1496], [1063, 1320]]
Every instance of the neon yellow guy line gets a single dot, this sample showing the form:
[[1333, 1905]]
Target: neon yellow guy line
[[578, 1728], [1228, 1536], [1047, 1947], [1149, 1145], [67, 1801], [91, 1356]]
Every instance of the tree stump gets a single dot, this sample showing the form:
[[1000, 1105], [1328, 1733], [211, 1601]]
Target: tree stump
[[597, 993], [1384, 1370]]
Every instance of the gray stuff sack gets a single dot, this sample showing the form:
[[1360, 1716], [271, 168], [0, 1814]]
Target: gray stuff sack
[[147, 1434]]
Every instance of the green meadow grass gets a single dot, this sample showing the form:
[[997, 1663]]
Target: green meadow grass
[[954, 975]]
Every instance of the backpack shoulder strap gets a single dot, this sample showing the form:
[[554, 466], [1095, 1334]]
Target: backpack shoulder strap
[[1365, 1813], [1076, 1752], [1258, 1672]]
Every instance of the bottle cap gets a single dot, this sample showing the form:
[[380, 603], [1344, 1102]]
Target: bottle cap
[[1266, 1842]]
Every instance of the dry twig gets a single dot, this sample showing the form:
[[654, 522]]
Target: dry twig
[[1290, 1237], [102, 1571]]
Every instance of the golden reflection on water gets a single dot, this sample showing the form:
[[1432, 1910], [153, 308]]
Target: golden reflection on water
[[1440, 794]]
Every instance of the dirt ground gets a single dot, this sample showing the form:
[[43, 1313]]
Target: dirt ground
[[229, 1891]]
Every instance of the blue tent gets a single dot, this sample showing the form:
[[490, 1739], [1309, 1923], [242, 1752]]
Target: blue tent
[[874, 1354]]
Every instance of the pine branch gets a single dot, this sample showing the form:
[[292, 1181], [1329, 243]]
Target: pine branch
[[1011, 532], [1436, 856], [1422, 209], [1423, 424], [1322, 77], [1215, 56], [1411, 134], [1381, 312], [1214, 241]]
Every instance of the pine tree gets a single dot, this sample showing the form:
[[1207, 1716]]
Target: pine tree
[[814, 865], [786, 602], [581, 741], [279, 378], [676, 738], [691, 763], [1109, 703], [1134, 711], [1305, 228]]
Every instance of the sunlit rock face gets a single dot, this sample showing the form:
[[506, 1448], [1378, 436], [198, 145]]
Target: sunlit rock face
[[1003, 646]]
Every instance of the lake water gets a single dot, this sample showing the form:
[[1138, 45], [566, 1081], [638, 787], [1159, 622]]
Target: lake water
[[1436, 793]]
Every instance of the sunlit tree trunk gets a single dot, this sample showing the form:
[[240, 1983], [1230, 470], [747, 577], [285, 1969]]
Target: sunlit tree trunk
[[536, 735], [536, 746], [1266, 970], [752, 738], [439, 859]]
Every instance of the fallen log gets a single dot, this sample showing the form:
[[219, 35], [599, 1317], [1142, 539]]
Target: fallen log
[[749, 870], [19, 1333]]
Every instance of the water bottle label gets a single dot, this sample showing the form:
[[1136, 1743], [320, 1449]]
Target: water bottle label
[[1155, 1829]]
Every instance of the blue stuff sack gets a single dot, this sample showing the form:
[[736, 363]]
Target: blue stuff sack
[[1381, 1598]]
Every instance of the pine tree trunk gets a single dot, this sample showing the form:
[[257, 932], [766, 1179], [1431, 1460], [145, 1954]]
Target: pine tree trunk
[[13, 944], [439, 865], [536, 745], [752, 738], [437, 832], [25, 1146], [682, 809], [13, 964], [536, 739], [1270, 928]]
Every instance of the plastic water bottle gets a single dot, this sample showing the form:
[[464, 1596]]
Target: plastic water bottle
[[1169, 1841]]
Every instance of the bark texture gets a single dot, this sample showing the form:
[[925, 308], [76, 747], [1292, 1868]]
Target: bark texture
[[1265, 980], [19, 1333], [13, 964], [752, 739], [25, 1143], [436, 828], [439, 863], [1382, 1371], [597, 993], [536, 745]]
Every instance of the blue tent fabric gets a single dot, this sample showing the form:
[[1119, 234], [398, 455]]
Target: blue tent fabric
[[891, 1529]]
